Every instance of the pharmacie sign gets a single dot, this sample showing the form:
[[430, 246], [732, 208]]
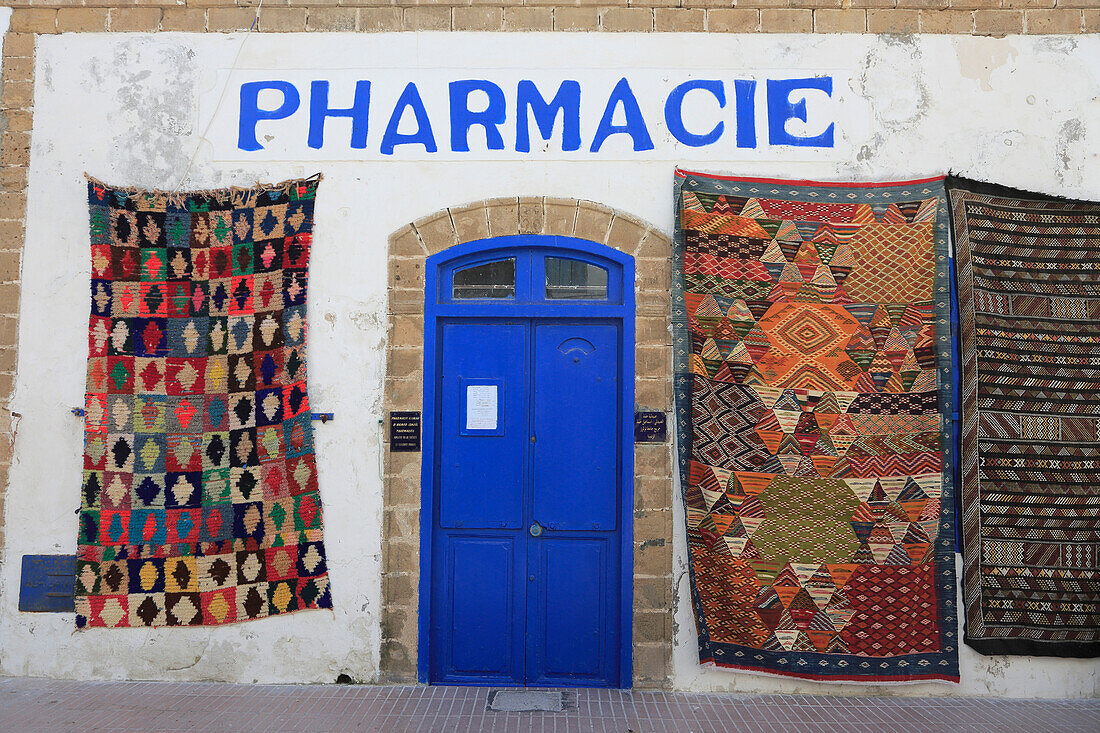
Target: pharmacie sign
[[509, 114]]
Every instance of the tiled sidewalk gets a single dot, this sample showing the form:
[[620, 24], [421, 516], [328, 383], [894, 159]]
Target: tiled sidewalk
[[52, 705]]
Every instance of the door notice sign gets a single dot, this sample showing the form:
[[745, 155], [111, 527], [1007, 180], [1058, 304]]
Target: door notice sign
[[481, 407], [650, 427], [405, 432]]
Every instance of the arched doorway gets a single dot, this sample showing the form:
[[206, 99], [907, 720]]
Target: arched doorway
[[526, 521]]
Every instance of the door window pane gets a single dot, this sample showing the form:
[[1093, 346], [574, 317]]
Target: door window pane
[[574, 280], [488, 280]]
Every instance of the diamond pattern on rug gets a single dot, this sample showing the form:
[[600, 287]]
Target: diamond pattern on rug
[[809, 415], [199, 501]]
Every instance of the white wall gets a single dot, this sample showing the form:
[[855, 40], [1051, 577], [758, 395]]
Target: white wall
[[126, 108]]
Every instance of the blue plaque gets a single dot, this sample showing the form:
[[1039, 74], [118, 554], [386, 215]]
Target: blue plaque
[[47, 583]]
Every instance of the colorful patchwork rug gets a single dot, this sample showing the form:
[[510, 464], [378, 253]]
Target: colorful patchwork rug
[[812, 355], [199, 502], [1029, 309]]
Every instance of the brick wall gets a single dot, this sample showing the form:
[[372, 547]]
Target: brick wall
[[981, 17], [15, 122]]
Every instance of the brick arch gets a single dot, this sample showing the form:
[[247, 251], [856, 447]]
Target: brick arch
[[409, 247]]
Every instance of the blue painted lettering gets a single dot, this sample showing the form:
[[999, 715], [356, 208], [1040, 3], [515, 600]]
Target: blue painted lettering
[[319, 110], [706, 114], [251, 113], [409, 99], [462, 118], [744, 104], [567, 101], [623, 95], [674, 112], [781, 109]]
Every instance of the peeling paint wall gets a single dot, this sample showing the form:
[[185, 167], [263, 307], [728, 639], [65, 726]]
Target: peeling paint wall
[[126, 109]]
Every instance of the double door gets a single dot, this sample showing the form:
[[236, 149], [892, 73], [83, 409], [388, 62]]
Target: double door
[[526, 537]]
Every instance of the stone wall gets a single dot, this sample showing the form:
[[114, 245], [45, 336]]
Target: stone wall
[[982, 17], [15, 122]]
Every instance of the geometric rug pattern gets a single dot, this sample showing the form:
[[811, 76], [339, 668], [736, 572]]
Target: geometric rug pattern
[[812, 349], [1029, 305], [199, 500]]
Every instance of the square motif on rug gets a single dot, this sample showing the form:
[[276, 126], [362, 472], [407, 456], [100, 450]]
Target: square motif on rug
[[199, 502], [1028, 274], [812, 351]]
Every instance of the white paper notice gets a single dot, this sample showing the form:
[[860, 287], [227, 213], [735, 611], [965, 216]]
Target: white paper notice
[[481, 407]]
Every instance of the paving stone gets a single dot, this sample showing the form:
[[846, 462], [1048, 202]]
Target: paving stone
[[28, 704], [515, 701]]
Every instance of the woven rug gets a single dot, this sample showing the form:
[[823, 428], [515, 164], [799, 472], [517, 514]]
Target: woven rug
[[811, 348], [199, 502], [1029, 305]]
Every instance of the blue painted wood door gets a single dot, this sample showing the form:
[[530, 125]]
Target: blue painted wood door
[[526, 545]]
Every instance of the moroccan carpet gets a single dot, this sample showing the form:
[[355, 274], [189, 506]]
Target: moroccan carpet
[[812, 355], [199, 502], [1028, 269]]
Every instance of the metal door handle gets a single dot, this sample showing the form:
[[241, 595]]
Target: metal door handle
[[535, 529]]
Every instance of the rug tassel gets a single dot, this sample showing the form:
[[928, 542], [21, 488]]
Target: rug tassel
[[239, 196]]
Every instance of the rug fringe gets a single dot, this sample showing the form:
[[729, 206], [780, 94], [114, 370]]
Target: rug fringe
[[237, 195]]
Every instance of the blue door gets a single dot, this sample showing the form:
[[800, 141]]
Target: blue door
[[527, 543]]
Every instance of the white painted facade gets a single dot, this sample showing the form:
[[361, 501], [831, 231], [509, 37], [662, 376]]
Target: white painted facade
[[139, 110]]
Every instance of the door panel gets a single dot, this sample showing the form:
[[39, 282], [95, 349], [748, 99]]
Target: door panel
[[576, 417], [574, 494], [572, 634], [482, 577], [481, 474], [479, 559]]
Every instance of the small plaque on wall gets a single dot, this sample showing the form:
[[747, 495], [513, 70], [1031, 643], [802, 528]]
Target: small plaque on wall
[[650, 427], [405, 432], [47, 583]]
